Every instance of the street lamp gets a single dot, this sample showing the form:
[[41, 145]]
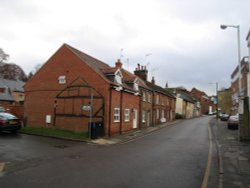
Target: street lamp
[[239, 61], [239, 56]]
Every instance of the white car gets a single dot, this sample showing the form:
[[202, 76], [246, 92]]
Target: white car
[[233, 122]]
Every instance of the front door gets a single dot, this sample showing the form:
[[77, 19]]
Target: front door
[[134, 119], [148, 119]]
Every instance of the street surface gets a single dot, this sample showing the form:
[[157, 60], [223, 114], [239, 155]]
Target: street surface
[[174, 156]]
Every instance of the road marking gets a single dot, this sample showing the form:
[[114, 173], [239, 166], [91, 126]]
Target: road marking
[[209, 159], [2, 165]]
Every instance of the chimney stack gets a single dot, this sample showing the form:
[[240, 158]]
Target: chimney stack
[[118, 64], [141, 71]]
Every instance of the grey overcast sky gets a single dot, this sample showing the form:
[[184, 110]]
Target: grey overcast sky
[[180, 41]]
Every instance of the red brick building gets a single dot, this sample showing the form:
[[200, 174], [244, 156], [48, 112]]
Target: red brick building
[[205, 101], [61, 93], [156, 102]]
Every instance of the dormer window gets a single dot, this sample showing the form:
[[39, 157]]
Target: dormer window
[[136, 88], [118, 77], [136, 85]]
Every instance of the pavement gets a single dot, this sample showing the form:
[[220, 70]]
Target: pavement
[[132, 135], [234, 156]]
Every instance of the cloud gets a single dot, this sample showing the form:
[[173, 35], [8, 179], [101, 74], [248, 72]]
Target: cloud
[[186, 44]]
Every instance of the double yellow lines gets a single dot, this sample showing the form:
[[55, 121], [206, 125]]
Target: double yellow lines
[[209, 159]]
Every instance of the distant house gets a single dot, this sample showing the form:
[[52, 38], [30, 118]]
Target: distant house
[[65, 88], [163, 104], [157, 104], [204, 99], [186, 105], [11, 92]]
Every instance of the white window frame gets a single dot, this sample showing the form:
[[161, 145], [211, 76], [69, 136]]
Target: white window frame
[[118, 77], [136, 85], [62, 79], [127, 115], [116, 114]]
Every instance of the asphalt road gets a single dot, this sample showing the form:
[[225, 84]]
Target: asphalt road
[[175, 156]]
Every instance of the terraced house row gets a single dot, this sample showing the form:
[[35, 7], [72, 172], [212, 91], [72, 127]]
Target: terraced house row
[[73, 90]]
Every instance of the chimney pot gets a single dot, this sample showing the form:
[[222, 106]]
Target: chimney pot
[[153, 80]]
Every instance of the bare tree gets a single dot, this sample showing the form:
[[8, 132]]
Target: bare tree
[[3, 56]]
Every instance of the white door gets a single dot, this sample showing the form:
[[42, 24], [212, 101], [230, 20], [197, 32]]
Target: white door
[[134, 118]]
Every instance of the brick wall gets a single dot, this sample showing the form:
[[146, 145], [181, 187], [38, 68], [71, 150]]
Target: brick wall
[[42, 89]]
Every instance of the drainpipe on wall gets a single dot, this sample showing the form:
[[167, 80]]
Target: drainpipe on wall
[[121, 97], [153, 111], [140, 113], [54, 119], [110, 109]]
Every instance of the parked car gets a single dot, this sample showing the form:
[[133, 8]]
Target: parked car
[[224, 117], [233, 122], [9, 122]]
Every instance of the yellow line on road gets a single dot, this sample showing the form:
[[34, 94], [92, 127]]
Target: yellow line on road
[[2, 165], [209, 160]]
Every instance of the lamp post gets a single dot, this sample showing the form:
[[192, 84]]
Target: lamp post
[[239, 61], [239, 56]]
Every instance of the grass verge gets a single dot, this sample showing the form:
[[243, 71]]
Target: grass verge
[[53, 132]]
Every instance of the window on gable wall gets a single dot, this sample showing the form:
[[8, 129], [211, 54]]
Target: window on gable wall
[[117, 115], [126, 115], [62, 79]]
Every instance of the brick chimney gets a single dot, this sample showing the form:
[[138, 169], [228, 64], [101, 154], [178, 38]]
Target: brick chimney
[[153, 80], [142, 72], [118, 64]]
